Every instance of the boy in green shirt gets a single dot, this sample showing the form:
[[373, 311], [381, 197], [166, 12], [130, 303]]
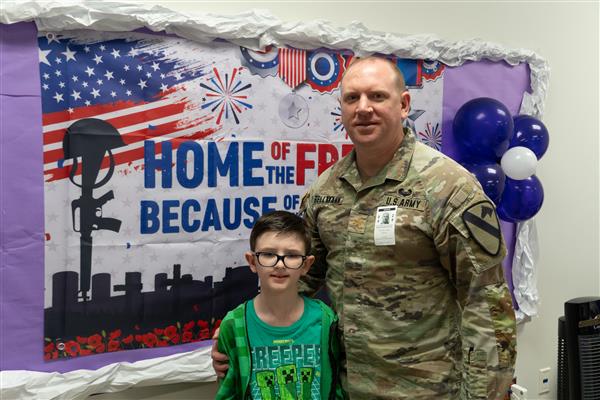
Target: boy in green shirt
[[280, 345]]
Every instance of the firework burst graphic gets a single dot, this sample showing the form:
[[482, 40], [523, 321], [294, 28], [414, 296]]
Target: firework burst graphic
[[226, 98], [432, 136], [337, 122]]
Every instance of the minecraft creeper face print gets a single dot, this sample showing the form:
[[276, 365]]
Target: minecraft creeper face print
[[306, 379], [266, 383], [286, 380]]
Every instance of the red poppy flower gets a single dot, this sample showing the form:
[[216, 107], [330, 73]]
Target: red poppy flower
[[115, 334], [49, 347], [101, 348], [82, 339], [139, 338], [162, 343], [128, 339], [171, 331], [187, 336], [95, 340], [150, 339], [175, 339], [188, 326], [204, 334], [72, 348], [202, 324], [158, 331], [114, 345]]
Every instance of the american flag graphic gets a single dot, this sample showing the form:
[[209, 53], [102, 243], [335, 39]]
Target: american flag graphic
[[131, 84], [292, 66]]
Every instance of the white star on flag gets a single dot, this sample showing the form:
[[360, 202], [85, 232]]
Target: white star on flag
[[43, 55], [58, 97], [95, 93], [98, 59], [89, 71], [142, 84], [69, 54], [116, 53], [76, 95]]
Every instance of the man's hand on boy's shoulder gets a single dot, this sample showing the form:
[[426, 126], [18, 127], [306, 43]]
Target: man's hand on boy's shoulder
[[220, 361]]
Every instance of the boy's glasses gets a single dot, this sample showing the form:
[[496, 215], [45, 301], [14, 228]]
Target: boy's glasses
[[291, 261]]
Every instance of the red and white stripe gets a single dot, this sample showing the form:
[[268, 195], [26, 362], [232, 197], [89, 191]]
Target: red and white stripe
[[292, 66], [161, 120]]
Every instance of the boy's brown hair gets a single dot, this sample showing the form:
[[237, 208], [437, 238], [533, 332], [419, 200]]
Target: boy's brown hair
[[281, 222]]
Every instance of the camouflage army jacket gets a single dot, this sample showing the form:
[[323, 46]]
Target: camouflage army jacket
[[424, 309]]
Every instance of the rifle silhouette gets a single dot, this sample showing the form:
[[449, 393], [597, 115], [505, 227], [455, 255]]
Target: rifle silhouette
[[90, 139]]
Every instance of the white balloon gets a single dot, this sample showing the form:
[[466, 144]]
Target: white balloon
[[519, 163]]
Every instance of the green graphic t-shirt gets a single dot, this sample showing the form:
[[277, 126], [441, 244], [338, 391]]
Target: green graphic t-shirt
[[286, 361]]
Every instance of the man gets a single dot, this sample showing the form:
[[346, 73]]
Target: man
[[424, 310]]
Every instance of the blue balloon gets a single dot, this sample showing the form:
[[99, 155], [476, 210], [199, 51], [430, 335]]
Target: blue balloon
[[530, 132], [491, 177], [521, 199], [483, 128]]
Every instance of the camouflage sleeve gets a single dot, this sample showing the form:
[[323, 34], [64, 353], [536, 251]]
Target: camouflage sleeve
[[471, 247], [315, 278]]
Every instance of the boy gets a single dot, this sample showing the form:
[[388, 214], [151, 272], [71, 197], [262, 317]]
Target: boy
[[280, 345]]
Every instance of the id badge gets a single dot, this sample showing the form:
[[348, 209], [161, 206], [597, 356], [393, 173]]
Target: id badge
[[385, 224]]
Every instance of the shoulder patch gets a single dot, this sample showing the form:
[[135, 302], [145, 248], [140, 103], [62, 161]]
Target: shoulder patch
[[482, 222]]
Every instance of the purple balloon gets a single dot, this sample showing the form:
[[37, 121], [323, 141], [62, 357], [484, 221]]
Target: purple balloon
[[491, 177], [483, 128], [530, 132], [521, 199]]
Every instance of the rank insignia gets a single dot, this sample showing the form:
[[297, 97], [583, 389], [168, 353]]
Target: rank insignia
[[482, 222]]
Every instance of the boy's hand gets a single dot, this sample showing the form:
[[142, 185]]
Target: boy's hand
[[220, 361]]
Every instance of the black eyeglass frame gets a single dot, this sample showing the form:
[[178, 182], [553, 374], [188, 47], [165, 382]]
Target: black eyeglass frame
[[279, 257]]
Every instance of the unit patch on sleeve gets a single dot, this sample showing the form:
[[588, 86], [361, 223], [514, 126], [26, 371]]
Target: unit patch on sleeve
[[482, 222]]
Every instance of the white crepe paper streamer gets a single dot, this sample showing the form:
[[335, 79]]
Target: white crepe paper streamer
[[524, 271], [193, 366]]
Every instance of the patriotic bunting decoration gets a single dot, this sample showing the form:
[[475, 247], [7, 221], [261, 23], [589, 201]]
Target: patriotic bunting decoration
[[292, 66], [325, 70]]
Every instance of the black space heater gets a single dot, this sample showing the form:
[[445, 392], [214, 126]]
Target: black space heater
[[579, 350]]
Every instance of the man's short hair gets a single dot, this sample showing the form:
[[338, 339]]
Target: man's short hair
[[283, 222], [398, 76]]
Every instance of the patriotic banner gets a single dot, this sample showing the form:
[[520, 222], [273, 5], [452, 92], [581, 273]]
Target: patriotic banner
[[134, 165], [159, 156]]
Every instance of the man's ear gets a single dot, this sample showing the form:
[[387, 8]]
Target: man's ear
[[307, 264], [405, 99], [251, 260]]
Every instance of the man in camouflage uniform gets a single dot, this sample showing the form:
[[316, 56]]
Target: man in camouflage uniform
[[410, 250]]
